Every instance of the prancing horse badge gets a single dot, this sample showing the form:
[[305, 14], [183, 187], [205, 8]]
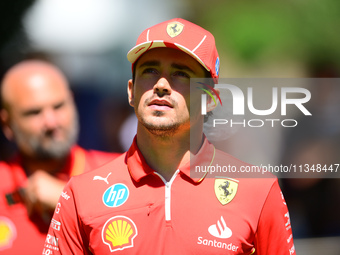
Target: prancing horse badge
[[225, 190], [174, 29]]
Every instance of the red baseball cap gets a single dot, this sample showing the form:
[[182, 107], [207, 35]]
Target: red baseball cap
[[182, 35]]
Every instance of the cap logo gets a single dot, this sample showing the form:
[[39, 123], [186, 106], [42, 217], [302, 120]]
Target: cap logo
[[174, 29]]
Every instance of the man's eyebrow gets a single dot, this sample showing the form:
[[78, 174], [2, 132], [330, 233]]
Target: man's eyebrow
[[150, 63], [174, 65], [182, 67], [31, 111]]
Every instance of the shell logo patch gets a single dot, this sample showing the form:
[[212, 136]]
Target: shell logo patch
[[8, 233], [118, 233], [225, 190], [173, 29]]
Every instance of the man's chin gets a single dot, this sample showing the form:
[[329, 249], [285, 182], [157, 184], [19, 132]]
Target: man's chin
[[55, 150], [161, 129]]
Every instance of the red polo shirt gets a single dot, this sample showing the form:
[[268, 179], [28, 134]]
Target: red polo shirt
[[19, 233], [124, 207]]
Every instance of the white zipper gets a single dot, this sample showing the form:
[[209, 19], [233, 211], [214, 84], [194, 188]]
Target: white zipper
[[168, 194]]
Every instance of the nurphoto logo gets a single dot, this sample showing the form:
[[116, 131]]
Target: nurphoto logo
[[243, 102]]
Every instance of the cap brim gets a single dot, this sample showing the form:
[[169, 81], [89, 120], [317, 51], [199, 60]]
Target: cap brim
[[140, 49]]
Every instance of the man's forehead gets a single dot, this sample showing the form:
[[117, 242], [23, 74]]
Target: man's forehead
[[174, 57], [37, 94], [30, 72], [39, 101], [168, 52]]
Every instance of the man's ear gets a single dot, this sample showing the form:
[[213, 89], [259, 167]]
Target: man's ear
[[213, 102], [131, 93], [5, 123]]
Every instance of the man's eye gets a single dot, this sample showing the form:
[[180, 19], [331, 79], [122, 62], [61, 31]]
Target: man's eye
[[58, 106], [181, 74], [32, 112], [150, 70]]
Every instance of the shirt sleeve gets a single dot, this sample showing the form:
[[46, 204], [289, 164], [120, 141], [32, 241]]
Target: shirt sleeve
[[274, 233], [65, 234]]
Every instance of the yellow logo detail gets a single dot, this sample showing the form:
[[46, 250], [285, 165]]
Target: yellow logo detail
[[225, 190], [7, 233], [174, 29], [118, 233]]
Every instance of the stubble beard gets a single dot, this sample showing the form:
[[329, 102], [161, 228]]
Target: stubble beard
[[159, 129], [52, 149]]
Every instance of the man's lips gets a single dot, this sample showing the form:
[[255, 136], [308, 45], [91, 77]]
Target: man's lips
[[160, 104]]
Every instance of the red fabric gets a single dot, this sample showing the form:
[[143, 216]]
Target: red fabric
[[189, 37], [125, 207], [20, 234]]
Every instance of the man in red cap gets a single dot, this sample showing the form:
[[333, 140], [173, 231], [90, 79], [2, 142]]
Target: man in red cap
[[146, 201], [40, 116]]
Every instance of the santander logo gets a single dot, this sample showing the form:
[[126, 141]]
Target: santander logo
[[220, 229]]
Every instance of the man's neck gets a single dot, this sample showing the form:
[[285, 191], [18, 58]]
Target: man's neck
[[166, 154]]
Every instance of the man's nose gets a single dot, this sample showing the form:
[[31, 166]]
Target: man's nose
[[50, 118], [162, 87]]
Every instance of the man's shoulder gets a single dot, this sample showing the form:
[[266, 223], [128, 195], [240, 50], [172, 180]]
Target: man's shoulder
[[92, 159], [91, 185], [10, 168], [244, 169], [102, 154], [5, 172], [95, 154], [12, 177], [112, 169], [222, 156], [4, 165]]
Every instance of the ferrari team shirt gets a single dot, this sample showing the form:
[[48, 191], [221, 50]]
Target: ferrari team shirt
[[19, 232], [124, 207]]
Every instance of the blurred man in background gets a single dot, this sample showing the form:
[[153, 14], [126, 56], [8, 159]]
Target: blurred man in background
[[39, 115]]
